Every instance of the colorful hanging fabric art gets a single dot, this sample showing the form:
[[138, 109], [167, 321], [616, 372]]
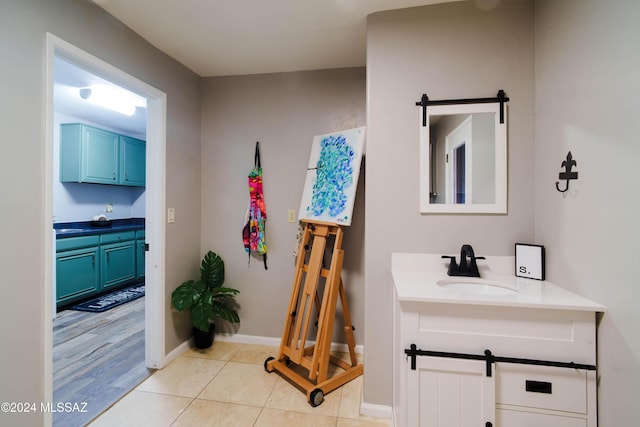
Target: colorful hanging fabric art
[[253, 233]]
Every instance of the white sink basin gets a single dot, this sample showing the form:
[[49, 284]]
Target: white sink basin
[[476, 286]]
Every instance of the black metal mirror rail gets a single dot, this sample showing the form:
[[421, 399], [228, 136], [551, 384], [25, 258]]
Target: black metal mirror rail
[[425, 101], [489, 358]]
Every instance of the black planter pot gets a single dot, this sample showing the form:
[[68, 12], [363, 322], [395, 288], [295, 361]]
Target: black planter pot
[[204, 339]]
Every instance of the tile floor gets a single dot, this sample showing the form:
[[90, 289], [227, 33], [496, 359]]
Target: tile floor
[[227, 385]]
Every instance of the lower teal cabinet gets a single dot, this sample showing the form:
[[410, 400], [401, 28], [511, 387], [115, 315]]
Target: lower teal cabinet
[[77, 274], [88, 265], [117, 264]]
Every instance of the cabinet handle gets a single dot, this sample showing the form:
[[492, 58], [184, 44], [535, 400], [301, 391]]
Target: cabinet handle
[[126, 176], [114, 176], [538, 386]]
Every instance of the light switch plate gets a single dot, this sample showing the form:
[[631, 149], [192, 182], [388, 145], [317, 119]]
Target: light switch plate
[[171, 215], [530, 261]]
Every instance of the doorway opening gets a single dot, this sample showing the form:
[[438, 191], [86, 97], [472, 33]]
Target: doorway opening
[[459, 151], [153, 205]]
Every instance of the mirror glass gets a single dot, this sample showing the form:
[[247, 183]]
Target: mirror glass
[[463, 159]]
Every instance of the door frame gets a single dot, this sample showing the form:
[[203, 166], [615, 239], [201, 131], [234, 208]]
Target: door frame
[[460, 135], [155, 200]]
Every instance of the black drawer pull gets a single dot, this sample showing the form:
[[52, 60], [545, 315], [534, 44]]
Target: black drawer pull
[[538, 386]]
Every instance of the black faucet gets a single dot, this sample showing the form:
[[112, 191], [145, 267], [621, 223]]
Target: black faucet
[[467, 268]]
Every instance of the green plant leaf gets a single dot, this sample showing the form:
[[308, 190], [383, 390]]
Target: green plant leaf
[[206, 299], [212, 270], [187, 294], [200, 315], [225, 292], [222, 311]]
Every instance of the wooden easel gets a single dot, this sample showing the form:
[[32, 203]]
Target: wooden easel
[[305, 297]]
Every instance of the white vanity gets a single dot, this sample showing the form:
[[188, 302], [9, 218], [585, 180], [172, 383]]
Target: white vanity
[[500, 351]]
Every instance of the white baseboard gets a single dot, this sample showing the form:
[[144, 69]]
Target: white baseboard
[[249, 339], [275, 342], [377, 411], [176, 352]]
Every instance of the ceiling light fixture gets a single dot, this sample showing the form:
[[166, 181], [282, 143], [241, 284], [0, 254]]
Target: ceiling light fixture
[[113, 98]]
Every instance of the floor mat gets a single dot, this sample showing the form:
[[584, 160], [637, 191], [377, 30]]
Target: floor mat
[[111, 300]]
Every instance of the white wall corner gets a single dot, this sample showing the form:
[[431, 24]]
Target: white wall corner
[[176, 352], [377, 411]]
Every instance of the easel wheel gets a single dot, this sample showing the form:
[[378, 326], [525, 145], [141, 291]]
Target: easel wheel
[[266, 364], [316, 397]]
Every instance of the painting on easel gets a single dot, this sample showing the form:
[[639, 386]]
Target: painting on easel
[[332, 177]]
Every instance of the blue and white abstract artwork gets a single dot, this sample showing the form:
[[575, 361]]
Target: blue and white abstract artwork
[[332, 177]]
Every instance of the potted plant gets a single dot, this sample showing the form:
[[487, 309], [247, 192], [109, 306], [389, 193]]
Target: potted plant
[[206, 299]]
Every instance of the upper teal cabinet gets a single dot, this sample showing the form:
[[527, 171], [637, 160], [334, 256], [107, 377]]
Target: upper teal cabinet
[[132, 161], [92, 155], [88, 154]]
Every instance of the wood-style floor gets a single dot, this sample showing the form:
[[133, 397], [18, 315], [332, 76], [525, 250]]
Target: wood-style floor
[[97, 359]]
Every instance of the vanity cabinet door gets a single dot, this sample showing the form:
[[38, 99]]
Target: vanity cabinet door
[[515, 418], [542, 387], [444, 392], [537, 396]]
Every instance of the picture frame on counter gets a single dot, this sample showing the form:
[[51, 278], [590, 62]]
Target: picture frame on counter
[[529, 261]]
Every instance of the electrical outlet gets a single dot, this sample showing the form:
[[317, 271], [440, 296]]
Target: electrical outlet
[[108, 208], [171, 215], [291, 215]]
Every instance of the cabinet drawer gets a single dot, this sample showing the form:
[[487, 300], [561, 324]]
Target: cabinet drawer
[[511, 418], [117, 237], [140, 234], [76, 243], [543, 387]]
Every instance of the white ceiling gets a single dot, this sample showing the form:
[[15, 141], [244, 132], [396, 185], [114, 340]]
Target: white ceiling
[[68, 79], [232, 37]]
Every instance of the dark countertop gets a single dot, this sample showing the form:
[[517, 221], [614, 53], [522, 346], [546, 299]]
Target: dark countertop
[[84, 228]]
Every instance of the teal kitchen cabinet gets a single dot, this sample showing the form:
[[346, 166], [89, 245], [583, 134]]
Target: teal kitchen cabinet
[[140, 253], [88, 154], [98, 156], [77, 268], [117, 259], [132, 161]]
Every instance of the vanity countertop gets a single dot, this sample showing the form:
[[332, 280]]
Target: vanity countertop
[[416, 278], [84, 228]]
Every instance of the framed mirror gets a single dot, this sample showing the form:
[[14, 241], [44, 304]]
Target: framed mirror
[[463, 159]]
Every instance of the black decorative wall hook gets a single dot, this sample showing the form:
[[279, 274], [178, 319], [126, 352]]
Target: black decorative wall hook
[[567, 174]]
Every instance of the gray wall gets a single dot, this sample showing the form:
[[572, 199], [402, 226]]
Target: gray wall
[[587, 92], [23, 24], [283, 111], [446, 51], [584, 102]]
